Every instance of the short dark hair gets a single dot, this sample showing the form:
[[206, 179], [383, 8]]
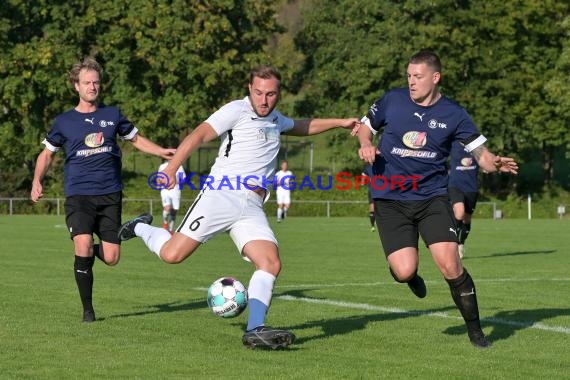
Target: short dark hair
[[428, 57], [264, 72], [88, 63]]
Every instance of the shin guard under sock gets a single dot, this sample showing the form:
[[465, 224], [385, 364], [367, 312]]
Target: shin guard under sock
[[465, 298], [82, 269]]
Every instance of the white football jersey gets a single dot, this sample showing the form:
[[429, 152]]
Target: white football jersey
[[249, 143], [287, 175]]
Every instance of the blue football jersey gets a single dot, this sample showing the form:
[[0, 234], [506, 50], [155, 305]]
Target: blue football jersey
[[92, 155], [415, 144], [463, 169]]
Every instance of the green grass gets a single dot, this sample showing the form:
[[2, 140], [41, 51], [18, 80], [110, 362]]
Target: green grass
[[351, 319]]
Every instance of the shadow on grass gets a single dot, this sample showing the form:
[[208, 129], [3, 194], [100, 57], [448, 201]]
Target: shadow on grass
[[338, 326], [516, 253], [505, 324], [164, 308]]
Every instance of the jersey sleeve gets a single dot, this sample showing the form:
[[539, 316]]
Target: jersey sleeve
[[54, 139], [226, 117], [125, 129], [285, 123], [375, 117], [468, 134]]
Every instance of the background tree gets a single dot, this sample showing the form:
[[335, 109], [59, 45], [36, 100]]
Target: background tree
[[167, 65], [496, 57]]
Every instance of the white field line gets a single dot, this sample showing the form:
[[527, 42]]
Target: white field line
[[476, 280], [363, 306]]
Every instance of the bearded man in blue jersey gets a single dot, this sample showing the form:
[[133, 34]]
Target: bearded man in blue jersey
[[92, 174], [418, 125]]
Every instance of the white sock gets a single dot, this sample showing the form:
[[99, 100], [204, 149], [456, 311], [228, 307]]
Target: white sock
[[279, 213], [259, 292], [165, 216], [153, 237]]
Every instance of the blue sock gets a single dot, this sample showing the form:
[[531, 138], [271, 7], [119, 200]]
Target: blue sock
[[257, 312], [260, 291]]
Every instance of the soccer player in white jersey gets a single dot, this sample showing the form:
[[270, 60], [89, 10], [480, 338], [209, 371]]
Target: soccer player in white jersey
[[283, 185], [171, 199], [250, 130]]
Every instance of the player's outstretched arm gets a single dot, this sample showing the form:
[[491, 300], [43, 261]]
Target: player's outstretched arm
[[307, 127], [200, 135], [43, 163], [367, 151], [490, 162], [145, 145]]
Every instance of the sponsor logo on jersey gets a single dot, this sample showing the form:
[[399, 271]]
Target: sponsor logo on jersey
[[412, 153], [260, 134], [414, 139], [419, 116], [433, 124], [90, 152], [105, 123], [467, 163], [94, 140], [268, 134]]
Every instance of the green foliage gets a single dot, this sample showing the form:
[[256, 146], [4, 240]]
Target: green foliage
[[496, 58], [170, 64], [167, 65]]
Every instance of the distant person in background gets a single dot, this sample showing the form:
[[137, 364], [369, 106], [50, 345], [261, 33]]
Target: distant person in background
[[371, 207], [283, 181], [92, 174], [463, 191], [171, 199]]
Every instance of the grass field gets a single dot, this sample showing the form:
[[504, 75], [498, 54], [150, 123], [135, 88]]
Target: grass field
[[351, 319]]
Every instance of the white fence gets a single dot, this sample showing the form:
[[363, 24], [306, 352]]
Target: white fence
[[325, 208], [19, 206]]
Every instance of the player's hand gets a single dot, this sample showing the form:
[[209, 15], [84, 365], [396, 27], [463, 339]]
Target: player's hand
[[355, 128], [167, 153], [506, 165], [368, 153], [350, 123], [37, 192], [169, 178]]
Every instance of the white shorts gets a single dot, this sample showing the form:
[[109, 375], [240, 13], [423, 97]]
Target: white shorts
[[283, 196], [171, 198], [238, 211]]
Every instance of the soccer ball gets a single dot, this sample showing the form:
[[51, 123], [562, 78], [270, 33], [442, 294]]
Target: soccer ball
[[227, 297]]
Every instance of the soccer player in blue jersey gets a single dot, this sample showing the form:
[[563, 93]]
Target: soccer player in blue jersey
[[463, 191], [250, 132], [92, 174], [418, 125]]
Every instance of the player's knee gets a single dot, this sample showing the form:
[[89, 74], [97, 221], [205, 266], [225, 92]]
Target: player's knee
[[450, 269], [269, 264], [403, 273], [111, 259], [171, 257]]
